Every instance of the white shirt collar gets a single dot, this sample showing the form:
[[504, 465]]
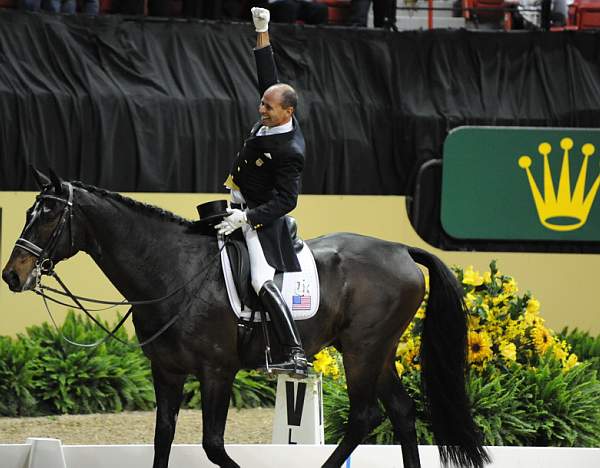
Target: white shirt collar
[[283, 128]]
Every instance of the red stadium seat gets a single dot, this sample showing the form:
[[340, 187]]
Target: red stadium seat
[[488, 11], [105, 7], [588, 15], [8, 4], [338, 10]]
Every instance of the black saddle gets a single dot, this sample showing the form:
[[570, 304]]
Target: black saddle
[[239, 260]]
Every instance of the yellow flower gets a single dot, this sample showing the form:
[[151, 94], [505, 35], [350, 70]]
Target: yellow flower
[[515, 329], [325, 364], [399, 367], [471, 277], [559, 352], [499, 299], [510, 286], [542, 340], [470, 300], [420, 313], [488, 313], [480, 346], [570, 362], [487, 277], [473, 321], [508, 350], [401, 349], [533, 306], [532, 319]]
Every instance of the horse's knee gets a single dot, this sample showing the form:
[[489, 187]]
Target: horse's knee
[[362, 422], [375, 418]]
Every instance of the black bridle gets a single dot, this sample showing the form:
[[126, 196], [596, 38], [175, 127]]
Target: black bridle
[[45, 267], [44, 263]]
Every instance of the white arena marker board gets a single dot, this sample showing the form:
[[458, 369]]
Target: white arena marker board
[[299, 411]]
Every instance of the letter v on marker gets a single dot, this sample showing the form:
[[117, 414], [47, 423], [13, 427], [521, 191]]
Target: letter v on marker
[[294, 408]]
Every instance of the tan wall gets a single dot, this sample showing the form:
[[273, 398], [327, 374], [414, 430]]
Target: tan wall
[[565, 284]]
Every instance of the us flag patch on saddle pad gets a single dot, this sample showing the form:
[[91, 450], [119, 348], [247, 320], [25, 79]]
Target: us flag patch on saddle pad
[[300, 302]]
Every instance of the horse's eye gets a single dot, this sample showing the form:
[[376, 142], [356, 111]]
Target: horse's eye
[[47, 208]]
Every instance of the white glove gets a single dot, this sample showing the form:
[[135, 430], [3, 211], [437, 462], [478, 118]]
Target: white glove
[[235, 220], [260, 17]]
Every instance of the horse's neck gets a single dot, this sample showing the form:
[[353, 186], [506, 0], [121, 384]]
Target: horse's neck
[[143, 256]]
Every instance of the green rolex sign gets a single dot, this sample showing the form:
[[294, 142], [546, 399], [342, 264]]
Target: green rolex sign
[[510, 183]]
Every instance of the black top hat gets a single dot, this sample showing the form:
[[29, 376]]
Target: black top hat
[[212, 212]]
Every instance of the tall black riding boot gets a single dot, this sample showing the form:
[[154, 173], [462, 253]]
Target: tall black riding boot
[[285, 329]]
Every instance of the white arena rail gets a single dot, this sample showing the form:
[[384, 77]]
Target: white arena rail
[[49, 453], [297, 443]]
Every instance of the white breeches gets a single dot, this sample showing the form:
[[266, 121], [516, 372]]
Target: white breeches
[[260, 270]]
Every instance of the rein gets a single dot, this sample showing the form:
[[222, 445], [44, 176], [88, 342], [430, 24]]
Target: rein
[[39, 290], [45, 266]]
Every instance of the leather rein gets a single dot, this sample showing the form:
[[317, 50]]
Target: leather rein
[[45, 267]]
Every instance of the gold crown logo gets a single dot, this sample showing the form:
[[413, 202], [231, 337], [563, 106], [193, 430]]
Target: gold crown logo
[[563, 210]]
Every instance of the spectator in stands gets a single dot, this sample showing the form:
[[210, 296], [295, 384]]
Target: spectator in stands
[[535, 14], [290, 11], [137, 7], [384, 12], [207, 9], [60, 6], [89, 7], [30, 5]]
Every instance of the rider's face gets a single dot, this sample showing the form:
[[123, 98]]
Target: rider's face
[[271, 112]]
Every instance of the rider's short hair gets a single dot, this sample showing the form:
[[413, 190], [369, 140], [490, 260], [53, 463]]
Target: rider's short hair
[[289, 98]]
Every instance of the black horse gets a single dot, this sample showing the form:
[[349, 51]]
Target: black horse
[[370, 291]]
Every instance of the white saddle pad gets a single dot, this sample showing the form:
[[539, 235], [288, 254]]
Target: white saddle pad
[[299, 289]]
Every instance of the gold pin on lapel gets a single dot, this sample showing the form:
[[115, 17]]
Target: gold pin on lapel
[[259, 162]]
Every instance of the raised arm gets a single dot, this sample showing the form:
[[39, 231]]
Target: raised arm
[[263, 53]]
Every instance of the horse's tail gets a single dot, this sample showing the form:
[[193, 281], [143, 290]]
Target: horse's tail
[[443, 364]]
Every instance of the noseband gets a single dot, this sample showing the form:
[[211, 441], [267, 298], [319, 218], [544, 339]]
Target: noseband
[[44, 263]]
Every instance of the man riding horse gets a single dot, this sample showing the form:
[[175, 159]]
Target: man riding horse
[[264, 184]]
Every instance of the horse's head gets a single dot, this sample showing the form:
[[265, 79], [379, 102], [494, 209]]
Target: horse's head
[[47, 236]]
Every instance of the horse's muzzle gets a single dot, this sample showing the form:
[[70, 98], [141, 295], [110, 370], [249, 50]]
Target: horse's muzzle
[[11, 278]]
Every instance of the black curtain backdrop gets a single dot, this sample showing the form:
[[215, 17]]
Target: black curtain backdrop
[[141, 105]]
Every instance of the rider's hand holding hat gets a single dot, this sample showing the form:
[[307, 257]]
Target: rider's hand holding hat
[[235, 220], [260, 17]]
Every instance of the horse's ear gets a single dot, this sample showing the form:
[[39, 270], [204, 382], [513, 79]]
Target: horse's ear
[[40, 177], [56, 181]]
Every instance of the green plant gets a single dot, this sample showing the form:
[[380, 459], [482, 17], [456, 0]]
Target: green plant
[[17, 377], [526, 383], [250, 389], [69, 379], [567, 405], [584, 345]]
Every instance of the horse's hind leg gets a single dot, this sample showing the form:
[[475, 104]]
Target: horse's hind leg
[[169, 391], [361, 378], [400, 408], [215, 386]]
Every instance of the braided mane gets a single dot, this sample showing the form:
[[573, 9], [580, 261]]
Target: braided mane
[[137, 205]]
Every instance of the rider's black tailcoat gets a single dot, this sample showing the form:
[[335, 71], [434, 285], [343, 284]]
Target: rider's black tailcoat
[[267, 171]]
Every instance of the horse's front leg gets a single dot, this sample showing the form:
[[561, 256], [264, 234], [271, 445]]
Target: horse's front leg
[[169, 392], [215, 386]]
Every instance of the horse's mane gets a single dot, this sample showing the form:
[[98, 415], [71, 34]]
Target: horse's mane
[[137, 205]]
